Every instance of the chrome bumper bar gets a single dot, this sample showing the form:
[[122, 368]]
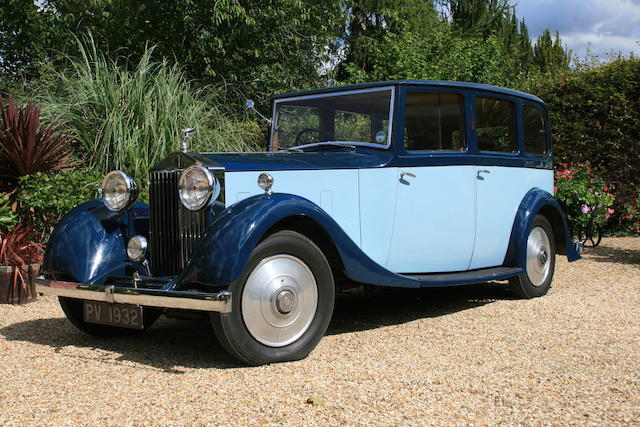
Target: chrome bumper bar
[[218, 301]]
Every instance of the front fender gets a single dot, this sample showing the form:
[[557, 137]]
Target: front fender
[[534, 202], [90, 242], [223, 253]]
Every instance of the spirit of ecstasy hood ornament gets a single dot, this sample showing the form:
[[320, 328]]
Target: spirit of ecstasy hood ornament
[[184, 147]]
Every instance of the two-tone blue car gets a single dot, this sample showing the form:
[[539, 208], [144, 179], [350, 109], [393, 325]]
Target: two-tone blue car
[[399, 184]]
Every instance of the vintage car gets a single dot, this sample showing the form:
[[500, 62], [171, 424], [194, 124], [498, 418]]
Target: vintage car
[[399, 184]]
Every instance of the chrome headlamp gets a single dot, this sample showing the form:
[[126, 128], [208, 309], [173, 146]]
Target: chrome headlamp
[[197, 188], [119, 191]]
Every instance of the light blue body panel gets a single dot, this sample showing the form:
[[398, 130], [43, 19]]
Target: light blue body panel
[[334, 191], [499, 194], [378, 188], [435, 219], [441, 219]]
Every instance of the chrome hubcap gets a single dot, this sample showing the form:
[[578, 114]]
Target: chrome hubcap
[[285, 302], [538, 253], [279, 300]]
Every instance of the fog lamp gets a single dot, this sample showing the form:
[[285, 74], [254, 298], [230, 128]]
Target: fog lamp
[[137, 248]]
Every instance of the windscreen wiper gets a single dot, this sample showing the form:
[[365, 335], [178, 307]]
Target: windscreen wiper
[[321, 144]]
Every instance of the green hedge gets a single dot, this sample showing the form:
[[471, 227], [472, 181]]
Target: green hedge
[[45, 197], [595, 114]]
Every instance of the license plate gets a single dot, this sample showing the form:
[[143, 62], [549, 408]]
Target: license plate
[[125, 316]]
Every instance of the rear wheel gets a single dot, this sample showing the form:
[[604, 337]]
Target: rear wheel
[[540, 261], [73, 309], [281, 304]]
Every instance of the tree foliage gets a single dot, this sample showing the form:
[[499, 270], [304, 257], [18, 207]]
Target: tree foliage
[[258, 46], [548, 53], [23, 34]]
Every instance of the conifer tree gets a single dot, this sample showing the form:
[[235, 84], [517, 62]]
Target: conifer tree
[[548, 53]]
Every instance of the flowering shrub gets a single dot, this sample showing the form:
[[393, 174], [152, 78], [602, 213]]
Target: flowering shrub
[[631, 216], [585, 196]]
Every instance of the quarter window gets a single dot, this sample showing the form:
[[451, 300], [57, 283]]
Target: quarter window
[[535, 137], [434, 121], [496, 125]]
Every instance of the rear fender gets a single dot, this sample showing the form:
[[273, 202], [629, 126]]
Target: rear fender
[[535, 202]]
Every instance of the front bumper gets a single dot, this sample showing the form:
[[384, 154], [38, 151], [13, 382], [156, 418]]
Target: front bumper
[[203, 301]]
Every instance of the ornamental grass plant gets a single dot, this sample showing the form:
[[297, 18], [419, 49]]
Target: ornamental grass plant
[[129, 116]]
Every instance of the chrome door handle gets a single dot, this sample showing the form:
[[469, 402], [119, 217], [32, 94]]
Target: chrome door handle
[[481, 171], [409, 174]]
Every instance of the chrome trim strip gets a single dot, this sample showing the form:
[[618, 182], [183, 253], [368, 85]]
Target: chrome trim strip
[[339, 93], [218, 301]]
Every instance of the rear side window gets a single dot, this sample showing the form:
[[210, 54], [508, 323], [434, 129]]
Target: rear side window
[[496, 125], [535, 136], [434, 121]]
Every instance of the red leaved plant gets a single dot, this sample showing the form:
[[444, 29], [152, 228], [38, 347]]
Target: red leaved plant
[[25, 147], [18, 250]]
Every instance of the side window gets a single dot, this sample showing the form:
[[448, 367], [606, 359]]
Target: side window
[[535, 137], [434, 121], [496, 125]]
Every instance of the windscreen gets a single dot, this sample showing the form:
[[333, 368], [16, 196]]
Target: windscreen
[[357, 118]]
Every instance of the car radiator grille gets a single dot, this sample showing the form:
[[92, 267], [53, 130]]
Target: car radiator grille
[[174, 230]]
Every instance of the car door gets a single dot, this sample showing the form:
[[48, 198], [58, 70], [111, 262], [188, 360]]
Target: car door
[[506, 172], [434, 224]]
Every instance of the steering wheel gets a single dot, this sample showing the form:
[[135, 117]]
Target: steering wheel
[[306, 136]]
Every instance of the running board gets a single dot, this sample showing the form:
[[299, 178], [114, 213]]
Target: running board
[[466, 277]]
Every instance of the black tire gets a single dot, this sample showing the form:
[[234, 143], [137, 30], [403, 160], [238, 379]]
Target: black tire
[[232, 329], [74, 311], [533, 283]]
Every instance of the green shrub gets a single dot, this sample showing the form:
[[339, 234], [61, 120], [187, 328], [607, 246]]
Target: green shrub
[[631, 216], [129, 116], [585, 196], [44, 197], [8, 218]]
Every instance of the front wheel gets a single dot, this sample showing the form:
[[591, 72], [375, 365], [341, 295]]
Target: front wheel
[[541, 261], [281, 304]]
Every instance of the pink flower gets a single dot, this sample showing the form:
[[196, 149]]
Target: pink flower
[[564, 165], [581, 165], [570, 176], [584, 208], [555, 189], [605, 188], [611, 211]]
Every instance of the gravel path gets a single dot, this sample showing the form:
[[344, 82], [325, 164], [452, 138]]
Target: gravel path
[[451, 356]]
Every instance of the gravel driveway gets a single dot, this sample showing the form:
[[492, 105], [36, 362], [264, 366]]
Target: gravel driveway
[[450, 356]]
